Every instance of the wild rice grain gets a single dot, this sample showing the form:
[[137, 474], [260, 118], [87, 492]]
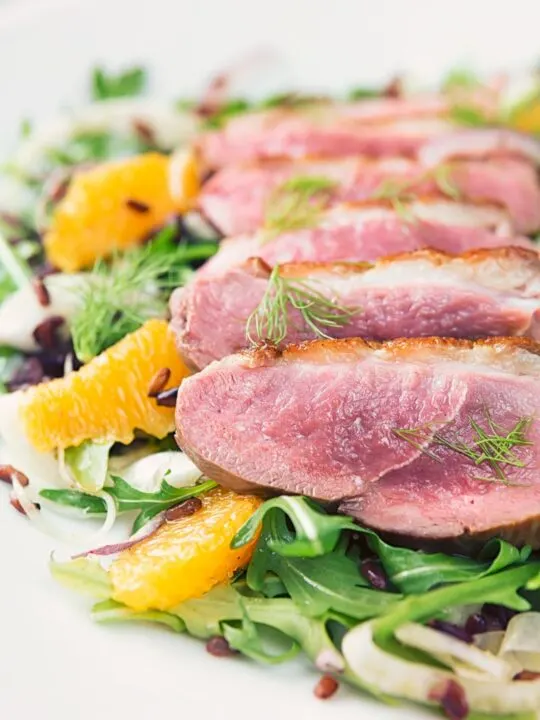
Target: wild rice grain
[[137, 206], [527, 675], [158, 382], [145, 132], [374, 574], [42, 294], [46, 333], [219, 647], [8, 472], [452, 698], [167, 398], [185, 509], [476, 624], [326, 687], [455, 631]]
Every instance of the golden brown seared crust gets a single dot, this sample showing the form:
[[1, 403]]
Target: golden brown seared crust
[[352, 349], [508, 254], [425, 199]]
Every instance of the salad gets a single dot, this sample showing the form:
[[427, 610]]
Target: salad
[[291, 347]]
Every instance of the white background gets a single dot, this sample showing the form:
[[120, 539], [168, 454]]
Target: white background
[[54, 663]]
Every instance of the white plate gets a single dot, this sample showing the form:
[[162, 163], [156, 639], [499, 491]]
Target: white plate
[[54, 663]]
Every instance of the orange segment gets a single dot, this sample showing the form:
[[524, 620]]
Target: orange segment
[[185, 559], [116, 205], [106, 399], [528, 118]]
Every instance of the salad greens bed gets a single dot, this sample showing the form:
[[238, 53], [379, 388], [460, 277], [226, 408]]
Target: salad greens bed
[[390, 620], [304, 590]]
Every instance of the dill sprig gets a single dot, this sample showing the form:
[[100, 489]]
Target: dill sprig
[[493, 446], [120, 296], [399, 192], [297, 203], [271, 319]]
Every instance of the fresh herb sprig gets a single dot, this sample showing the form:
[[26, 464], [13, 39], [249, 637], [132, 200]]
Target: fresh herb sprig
[[402, 191], [128, 499], [120, 296], [297, 203], [128, 83], [271, 320], [493, 447]]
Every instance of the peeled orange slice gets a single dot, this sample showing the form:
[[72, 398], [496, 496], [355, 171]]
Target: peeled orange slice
[[185, 558], [108, 398], [115, 205], [527, 119]]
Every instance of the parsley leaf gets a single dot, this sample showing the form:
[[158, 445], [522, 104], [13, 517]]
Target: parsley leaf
[[106, 85]]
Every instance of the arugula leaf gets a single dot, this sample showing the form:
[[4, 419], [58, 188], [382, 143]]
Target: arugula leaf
[[87, 504], [315, 584], [150, 504], [224, 610], [414, 571], [106, 85], [317, 533], [501, 588], [128, 498], [259, 642], [88, 463], [84, 575], [112, 611]]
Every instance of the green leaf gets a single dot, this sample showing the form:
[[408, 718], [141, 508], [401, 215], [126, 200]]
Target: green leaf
[[88, 463], [501, 588], [87, 504], [469, 116], [362, 93], [128, 499], [84, 575], [16, 272], [316, 584], [317, 533], [150, 504], [106, 85], [112, 611], [9, 360], [203, 616], [297, 203], [460, 78], [253, 640], [416, 572], [119, 297], [227, 111]]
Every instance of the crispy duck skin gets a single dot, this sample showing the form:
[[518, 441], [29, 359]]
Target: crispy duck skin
[[475, 294]]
